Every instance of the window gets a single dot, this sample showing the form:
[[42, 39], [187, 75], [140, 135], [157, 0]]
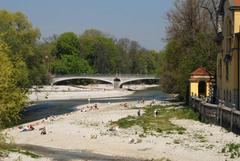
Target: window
[[229, 36], [229, 45], [230, 96], [220, 69], [224, 95], [227, 70], [227, 95]]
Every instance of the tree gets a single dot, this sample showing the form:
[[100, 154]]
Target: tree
[[67, 44], [124, 61], [12, 98], [103, 54], [100, 51], [40, 64], [18, 33], [151, 60], [190, 45], [168, 67], [71, 64], [135, 59], [93, 33]]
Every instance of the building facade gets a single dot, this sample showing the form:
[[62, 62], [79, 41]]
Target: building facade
[[228, 56]]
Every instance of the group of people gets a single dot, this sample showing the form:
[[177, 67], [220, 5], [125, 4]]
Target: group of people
[[31, 128], [124, 105], [156, 112], [90, 108]]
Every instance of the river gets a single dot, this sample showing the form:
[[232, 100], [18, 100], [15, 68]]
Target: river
[[47, 108]]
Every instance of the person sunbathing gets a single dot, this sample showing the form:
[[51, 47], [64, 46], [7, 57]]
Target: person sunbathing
[[31, 127], [28, 128]]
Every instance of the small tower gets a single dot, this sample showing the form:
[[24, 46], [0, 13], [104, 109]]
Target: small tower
[[200, 83]]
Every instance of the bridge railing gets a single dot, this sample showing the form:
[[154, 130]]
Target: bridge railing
[[107, 75]]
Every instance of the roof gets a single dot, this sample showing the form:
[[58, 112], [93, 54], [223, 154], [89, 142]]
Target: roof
[[200, 72], [234, 4]]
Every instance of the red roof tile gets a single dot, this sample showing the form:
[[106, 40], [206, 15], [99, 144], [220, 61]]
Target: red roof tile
[[200, 72], [236, 2]]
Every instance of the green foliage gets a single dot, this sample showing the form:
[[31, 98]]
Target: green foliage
[[67, 44], [160, 123], [71, 64], [100, 51], [134, 59], [232, 149], [12, 98], [121, 56], [18, 33], [21, 38]]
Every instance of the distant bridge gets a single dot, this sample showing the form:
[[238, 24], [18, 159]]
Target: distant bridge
[[116, 80]]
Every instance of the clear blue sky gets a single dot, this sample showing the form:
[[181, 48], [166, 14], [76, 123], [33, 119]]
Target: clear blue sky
[[140, 20]]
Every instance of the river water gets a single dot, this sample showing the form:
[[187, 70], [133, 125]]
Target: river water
[[47, 108]]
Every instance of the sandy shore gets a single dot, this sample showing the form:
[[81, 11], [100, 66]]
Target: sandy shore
[[81, 92], [89, 130]]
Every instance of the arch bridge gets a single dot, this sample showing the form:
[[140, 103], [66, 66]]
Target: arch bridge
[[116, 80]]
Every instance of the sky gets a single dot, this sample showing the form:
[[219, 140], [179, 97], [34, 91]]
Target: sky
[[140, 20]]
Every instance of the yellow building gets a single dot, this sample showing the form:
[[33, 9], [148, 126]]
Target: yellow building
[[228, 56], [200, 83]]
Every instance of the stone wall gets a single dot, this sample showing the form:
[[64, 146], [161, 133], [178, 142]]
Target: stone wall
[[221, 115]]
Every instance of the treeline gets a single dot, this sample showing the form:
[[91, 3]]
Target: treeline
[[96, 52], [18, 57], [190, 44]]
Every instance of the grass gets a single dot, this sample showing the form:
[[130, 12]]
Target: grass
[[232, 149], [159, 124]]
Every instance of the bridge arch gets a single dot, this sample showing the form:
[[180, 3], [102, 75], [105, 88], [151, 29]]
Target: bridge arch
[[136, 79], [57, 80]]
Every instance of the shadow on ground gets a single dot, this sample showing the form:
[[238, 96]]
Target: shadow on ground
[[66, 155]]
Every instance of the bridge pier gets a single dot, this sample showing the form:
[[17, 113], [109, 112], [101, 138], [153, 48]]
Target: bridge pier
[[116, 83]]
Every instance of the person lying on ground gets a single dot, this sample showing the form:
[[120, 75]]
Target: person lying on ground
[[28, 128]]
